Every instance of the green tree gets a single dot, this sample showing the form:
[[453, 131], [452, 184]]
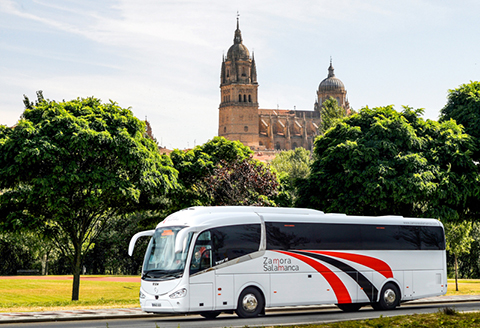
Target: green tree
[[195, 165], [463, 106], [381, 161], [291, 167], [110, 252], [459, 240], [67, 168], [331, 113], [15, 254], [241, 183], [469, 263]]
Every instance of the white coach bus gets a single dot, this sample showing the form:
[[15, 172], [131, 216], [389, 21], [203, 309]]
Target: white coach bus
[[209, 260]]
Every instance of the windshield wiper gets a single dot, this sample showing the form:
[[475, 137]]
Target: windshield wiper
[[156, 273], [161, 274], [173, 275]]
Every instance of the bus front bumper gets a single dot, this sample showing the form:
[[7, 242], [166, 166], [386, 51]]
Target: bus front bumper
[[163, 303]]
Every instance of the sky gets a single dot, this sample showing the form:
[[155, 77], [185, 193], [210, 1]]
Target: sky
[[162, 58]]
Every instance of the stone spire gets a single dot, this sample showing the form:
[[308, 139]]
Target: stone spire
[[253, 70], [330, 69], [238, 34]]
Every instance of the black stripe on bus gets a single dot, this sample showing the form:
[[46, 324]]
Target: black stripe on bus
[[360, 279]]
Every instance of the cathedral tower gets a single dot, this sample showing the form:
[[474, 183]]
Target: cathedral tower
[[238, 111], [332, 87]]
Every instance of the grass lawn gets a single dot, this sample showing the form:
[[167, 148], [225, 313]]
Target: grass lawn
[[40, 295], [48, 295], [465, 287]]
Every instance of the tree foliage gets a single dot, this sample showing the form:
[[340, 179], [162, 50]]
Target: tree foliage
[[68, 168], [331, 113], [381, 161], [291, 167], [15, 254], [468, 263], [458, 241], [463, 106], [196, 165], [244, 182], [110, 253]]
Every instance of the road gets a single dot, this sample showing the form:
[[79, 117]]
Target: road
[[227, 320]]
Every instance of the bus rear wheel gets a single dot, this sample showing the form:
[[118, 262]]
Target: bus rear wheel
[[389, 298], [351, 307], [250, 303]]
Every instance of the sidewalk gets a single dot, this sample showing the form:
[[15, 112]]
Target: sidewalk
[[19, 317]]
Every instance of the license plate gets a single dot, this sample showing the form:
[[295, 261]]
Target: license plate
[[157, 304]]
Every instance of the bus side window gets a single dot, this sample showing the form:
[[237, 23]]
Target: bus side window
[[231, 242], [222, 244]]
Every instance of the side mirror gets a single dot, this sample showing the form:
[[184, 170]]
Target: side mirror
[[135, 237], [181, 239]]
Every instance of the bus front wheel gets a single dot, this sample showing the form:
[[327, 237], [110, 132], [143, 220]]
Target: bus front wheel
[[389, 298], [250, 303]]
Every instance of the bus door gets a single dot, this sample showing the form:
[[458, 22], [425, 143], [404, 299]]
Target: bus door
[[214, 288], [202, 278]]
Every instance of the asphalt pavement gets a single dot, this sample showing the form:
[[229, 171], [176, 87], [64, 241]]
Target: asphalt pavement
[[19, 317]]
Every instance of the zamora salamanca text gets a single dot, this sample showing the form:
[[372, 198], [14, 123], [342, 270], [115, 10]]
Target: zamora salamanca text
[[277, 264]]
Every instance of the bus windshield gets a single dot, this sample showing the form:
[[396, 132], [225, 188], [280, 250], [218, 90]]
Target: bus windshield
[[161, 261]]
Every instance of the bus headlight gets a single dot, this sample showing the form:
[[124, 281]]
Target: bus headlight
[[142, 296], [179, 293]]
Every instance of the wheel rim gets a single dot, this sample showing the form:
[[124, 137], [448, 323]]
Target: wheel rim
[[249, 303], [389, 296]]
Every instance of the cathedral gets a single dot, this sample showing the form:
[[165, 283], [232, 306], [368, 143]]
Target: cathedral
[[240, 117]]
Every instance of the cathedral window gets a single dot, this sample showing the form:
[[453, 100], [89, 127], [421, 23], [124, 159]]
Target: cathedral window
[[249, 98], [277, 146], [244, 98], [239, 98], [224, 129], [245, 128], [228, 73]]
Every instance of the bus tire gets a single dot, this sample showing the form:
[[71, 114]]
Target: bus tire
[[250, 303], [350, 307], [389, 298], [210, 314]]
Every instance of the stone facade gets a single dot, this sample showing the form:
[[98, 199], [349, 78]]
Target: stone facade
[[240, 117]]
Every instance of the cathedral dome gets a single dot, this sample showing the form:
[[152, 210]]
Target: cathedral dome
[[238, 49], [331, 83]]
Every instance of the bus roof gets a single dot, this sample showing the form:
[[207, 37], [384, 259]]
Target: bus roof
[[211, 216]]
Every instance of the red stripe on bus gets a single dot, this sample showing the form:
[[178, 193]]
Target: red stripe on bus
[[337, 285], [368, 261]]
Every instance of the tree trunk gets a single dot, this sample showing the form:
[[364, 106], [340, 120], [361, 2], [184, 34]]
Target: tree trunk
[[456, 273], [77, 269], [44, 264]]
